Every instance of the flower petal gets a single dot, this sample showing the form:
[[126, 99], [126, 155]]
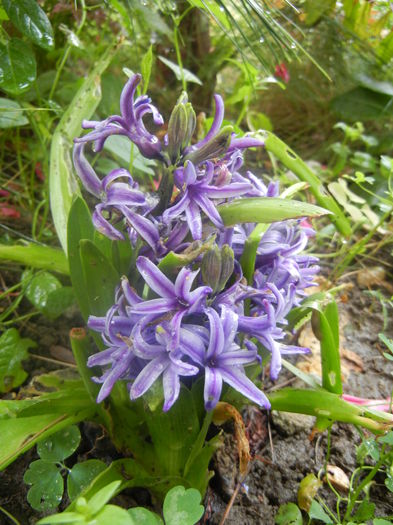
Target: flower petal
[[155, 279], [240, 382]]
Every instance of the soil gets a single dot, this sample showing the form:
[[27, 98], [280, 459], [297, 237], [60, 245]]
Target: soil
[[280, 443]]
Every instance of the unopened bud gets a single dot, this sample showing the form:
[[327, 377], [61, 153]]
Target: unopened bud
[[227, 265], [181, 127], [216, 147], [177, 128], [211, 267], [217, 267]]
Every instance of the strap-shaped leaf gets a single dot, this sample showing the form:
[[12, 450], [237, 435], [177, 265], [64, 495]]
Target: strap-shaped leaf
[[79, 227], [63, 185], [100, 278], [31, 20], [266, 210]]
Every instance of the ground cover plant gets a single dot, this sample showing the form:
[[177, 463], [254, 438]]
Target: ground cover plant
[[183, 251]]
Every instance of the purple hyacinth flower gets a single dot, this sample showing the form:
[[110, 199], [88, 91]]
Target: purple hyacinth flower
[[175, 299], [198, 187], [156, 348], [118, 358], [224, 360], [130, 123], [121, 199]]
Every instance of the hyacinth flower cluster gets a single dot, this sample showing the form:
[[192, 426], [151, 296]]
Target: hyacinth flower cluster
[[204, 319]]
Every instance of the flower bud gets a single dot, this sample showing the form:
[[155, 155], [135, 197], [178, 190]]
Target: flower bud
[[227, 265], [181, 127], [213, 149], [217, 267], [211, 268]]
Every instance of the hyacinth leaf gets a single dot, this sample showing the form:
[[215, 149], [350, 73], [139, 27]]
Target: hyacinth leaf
[[100, 278], [266, 210], [122, 256], [36, 256], [81, 348], [174, 433], [250, 251], [294, 163], [329, 407], [325, 325], [62, 183], [79, 227], [182, 506], [52, 412], [31, 21]]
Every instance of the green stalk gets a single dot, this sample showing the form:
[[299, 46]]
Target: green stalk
[[36, 256], [293, 162]]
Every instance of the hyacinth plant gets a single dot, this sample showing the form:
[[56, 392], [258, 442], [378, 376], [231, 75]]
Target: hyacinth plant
[[186, 283], [208, 321]]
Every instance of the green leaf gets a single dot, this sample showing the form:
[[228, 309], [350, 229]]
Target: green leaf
[[24, 423], [289, 514], [146, 65], [39, 287], [389, 482], [58, 301], [122, 148], [387, 438], [364, 512], [326, 328], [60, 445], [81, 475], [13, 350], [100, 277], [113, 514], [79, 227], [368, 447], [294, 163], [64, 517], [100, 498], [11, 114], [31, 20], [316, 512], [362, 104], [17, 66], [142, 516], [321, 403], [381, 521], [47, 485], [180, 72], [315, 9], [63, 185], [182, 507], [266, 210], [36, 256]]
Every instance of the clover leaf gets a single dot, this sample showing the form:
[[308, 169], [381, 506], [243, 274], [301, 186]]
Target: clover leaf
[[182, 507], [47, 485], [60, 445]]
